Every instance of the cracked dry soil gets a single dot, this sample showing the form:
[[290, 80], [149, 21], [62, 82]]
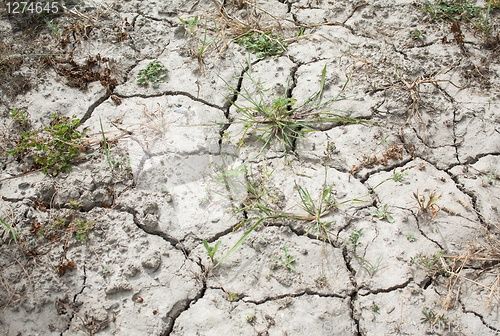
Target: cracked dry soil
[[416, 115]]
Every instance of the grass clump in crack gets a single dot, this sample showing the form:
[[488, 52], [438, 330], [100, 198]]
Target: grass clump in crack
[[54, 148], [154, 73], [282, 118]]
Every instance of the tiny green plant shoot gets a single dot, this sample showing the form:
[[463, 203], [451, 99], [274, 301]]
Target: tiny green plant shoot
[[354, 238], [52, 26], [251, 318], [232, 297], [9, 227], [289, 260], [211, 250], [370, 268], [410, 237], [431, 317], [417, 34], [381, 214], [190, 24], [154, 73]]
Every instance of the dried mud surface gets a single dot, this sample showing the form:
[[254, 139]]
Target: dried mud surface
[[419, 116]]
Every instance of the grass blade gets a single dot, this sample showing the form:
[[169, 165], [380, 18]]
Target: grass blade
[[10, 229], [242, 239]]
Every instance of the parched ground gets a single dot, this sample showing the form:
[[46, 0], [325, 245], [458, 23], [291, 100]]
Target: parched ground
[[351, 183]]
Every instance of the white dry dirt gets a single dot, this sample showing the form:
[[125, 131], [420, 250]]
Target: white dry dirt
[[115, 245]]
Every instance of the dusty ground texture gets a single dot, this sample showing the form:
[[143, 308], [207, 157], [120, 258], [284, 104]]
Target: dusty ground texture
[[326, 232]]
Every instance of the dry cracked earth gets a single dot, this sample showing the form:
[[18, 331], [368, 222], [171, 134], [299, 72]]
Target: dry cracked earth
[[370, 208]]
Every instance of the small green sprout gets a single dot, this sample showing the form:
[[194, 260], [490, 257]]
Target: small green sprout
[[251, 318], [211, 250], [154, 73], [381, 213], [75, 205], [231, 297], [52, 26], [417, 34], [399, 177], [190, 24], [354, 238], [428, 204], [376, 309], [411, 238], [431, 317], [288, 261], [370, 268]]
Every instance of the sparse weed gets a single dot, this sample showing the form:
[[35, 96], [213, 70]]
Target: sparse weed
[[376, 309], [154, 73], [19, 116], [428, 205], [231, 297], [75, 205], [399, 176], [370, 268], [417, 34], [52, 26], [251, 318], [211, 250], [490, 177], [435, 264], [431, 317], [354, 238], [321, 281], [484, 23], [199, 44], [316, 210], [289, 260], [256, 202], [190, 24], [59, 222], [263, 45], [55, 147], [81, 228], [381, 213], [410, 237]]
